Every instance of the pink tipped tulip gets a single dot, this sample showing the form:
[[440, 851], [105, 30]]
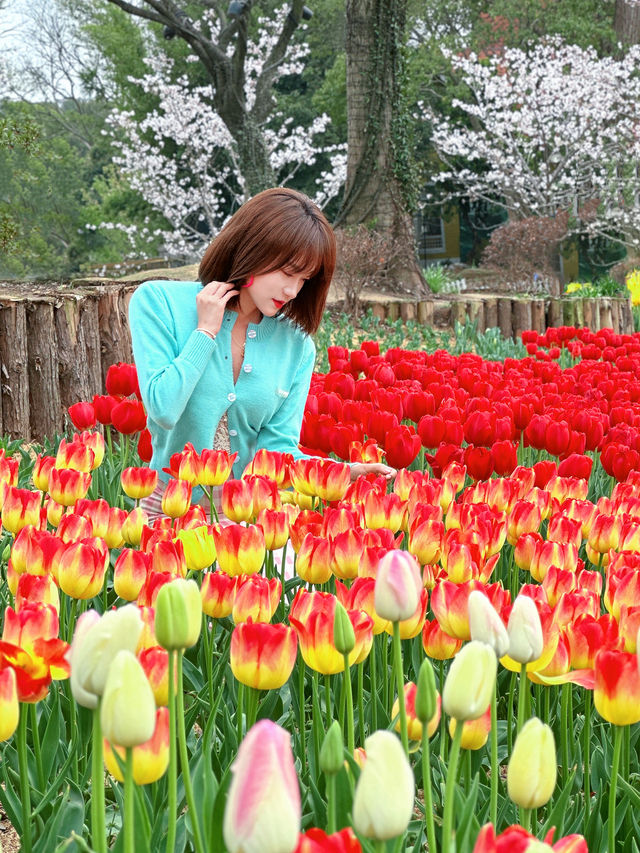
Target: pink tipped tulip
[[262, 813], [398, 586]]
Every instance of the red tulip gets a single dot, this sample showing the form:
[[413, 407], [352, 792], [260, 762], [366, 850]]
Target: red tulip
[[82, 415]]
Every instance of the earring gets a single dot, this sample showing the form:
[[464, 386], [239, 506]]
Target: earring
[[249, 283]]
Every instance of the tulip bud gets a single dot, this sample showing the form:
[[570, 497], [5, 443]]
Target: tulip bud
[[332, 750], [426, 694], [262, 812], [128, 711], [178, 614], [344, 637], [398, 586], [96, 641], [384, 795], [525, 631], [470, 681], [532, 770], [485, 624]]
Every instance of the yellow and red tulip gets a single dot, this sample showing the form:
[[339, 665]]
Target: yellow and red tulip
[[139, 483], [9, 703], [176, 499], [150, 759], [256, 598], [30, 647], [313, 563], [215, 467], [41, 472], [475, 733], [414, 726], [616, 694], [36, 589], [237, 500], [240, 549], [218, 592], [263, 655], [82, 567], [155, 663], [66, 485], [130, 573], [20, 508], [315, 634], [275, 527]]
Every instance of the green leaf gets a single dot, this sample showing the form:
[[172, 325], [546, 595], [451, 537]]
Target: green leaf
[[68, 818]]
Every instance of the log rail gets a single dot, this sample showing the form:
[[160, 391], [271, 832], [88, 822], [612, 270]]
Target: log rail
[[58, 340]]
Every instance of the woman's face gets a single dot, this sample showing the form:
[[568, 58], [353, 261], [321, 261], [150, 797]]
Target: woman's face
[[272, 290]]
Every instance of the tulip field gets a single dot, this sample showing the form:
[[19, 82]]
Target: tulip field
[[447, 661]]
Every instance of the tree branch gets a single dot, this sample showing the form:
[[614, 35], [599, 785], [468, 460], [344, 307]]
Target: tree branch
[[261, 107]]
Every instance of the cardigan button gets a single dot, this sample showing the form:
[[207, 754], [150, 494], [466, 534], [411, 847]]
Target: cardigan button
[[248, 368], [231, 398], [251, 333], [233, 432]]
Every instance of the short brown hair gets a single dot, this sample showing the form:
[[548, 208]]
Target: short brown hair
[[276, 229]]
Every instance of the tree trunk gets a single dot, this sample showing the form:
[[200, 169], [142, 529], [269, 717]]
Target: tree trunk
[[626, 21], [379, 176]]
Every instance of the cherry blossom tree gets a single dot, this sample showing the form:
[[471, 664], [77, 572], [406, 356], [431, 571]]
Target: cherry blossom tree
[[185, 161], [551, 129]]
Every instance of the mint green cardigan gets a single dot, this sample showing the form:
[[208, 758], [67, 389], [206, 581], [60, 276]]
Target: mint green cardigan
[[186, 378]]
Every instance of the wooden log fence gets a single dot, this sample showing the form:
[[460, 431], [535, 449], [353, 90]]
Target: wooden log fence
[[57, 341], [56, 344]]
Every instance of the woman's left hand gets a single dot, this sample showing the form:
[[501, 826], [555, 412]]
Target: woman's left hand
[[358, 469]]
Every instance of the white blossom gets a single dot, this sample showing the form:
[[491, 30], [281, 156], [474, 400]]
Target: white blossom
[[553, 128]]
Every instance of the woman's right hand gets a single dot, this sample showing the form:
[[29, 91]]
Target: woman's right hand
[[211, 302]]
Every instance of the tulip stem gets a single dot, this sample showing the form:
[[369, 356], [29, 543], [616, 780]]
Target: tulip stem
[[587, 757], [332, 823], [98, 829], [525, 818], [328, 704], [397, 657], [512, 688], [316, 717], [373, 685], [361, 701], [172, 780], [426, 785], [495, 769], [35, 735], [349, 693], [240, 713], [564, 722], [184, 762], [213, 512], [25, 791], [385, 674], [252, 706], [129, 830], [617, 745], [449, 791], [303, 747], [523, 688]]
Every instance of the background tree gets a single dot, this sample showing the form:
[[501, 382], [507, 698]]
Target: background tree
[[221, 43], [381, 181], [548, 130], [627, 21]]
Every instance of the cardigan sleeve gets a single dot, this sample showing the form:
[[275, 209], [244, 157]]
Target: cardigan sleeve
[[282, 432], [167, 374]]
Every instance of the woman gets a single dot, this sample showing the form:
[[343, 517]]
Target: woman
[[226, 362]]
